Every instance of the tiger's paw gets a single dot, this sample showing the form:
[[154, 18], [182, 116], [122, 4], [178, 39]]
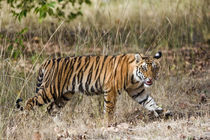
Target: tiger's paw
[[161, 113], [158, 112], [168, 114]]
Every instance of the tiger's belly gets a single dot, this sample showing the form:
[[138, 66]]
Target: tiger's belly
[[86, 89]]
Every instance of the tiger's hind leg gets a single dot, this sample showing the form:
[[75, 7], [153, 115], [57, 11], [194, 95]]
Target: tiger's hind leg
[[41, 98], [55, 107]]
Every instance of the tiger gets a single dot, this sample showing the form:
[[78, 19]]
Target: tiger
[[61, 78]]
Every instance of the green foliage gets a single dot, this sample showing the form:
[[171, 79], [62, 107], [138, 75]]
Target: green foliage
[[16, 46], [61, 9]]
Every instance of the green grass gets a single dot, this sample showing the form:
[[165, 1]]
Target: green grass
[[179, 28]]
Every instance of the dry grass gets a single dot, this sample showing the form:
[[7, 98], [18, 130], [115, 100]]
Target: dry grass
[[178, 28], [193, 128]]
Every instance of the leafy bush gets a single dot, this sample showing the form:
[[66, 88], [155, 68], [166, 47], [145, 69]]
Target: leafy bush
[[61, 9], [16, 46]]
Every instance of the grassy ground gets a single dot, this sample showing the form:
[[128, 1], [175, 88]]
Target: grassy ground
[[180, 29]]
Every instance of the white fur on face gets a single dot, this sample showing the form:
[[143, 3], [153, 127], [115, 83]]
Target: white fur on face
[[138, 75], [135, 76], [147, 86]]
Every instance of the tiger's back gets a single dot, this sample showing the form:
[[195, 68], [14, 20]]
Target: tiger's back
[[86, 74]]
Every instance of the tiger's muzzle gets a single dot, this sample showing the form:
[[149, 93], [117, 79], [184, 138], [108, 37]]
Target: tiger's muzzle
[[148, 82]]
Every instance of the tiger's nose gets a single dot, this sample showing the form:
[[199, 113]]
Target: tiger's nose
[[150, 78]]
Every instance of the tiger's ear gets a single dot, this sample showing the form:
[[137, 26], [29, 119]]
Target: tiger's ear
[[158, 55], [138, 58]]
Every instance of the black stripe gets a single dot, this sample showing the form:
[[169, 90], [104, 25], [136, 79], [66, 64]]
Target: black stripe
[[81, 71], [81, 77], [131, 61], [107, 91], [46, 96], [45, 64], [107, 102], [87, 83], [122, 78], [109, 107], [117, 66], [65, 98], [34, 99], [97, 64], [48, 63], [68, 74], [58, 59], [38, 84], [79, 62], [97, 59], [54, 80], [96, 74], [140, 86], [37, 89], [65, 78], [144, 100], [96, 85], [49, 72], [61, 78], [73, 85], [124, 55], [71, 72], [66, 59], [115, 58], [132, 80], [112, 58], [138, 94], [87, 62], [67, 63], [147, 102], [121, 72], [104, 75], [119, 92], [92, 89], [105, 58], [81, 88], [52, 93]]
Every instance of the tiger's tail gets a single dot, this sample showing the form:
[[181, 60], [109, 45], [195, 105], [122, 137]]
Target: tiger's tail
[[40, 78], [18, 106]]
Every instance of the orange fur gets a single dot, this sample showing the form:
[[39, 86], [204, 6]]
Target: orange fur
[[59, 79]]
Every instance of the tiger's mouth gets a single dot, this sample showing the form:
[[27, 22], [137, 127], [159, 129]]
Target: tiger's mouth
[[148, 82]]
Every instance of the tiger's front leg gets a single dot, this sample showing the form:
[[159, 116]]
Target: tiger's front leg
[[151, 105], [147, 101], [109, 106]]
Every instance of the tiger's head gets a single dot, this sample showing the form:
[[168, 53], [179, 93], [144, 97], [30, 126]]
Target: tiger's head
[[147, 68]]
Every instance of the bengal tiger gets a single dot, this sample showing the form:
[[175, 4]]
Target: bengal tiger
[[59, 79]]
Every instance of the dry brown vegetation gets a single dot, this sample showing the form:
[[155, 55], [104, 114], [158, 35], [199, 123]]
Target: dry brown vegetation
[[180, 29]]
